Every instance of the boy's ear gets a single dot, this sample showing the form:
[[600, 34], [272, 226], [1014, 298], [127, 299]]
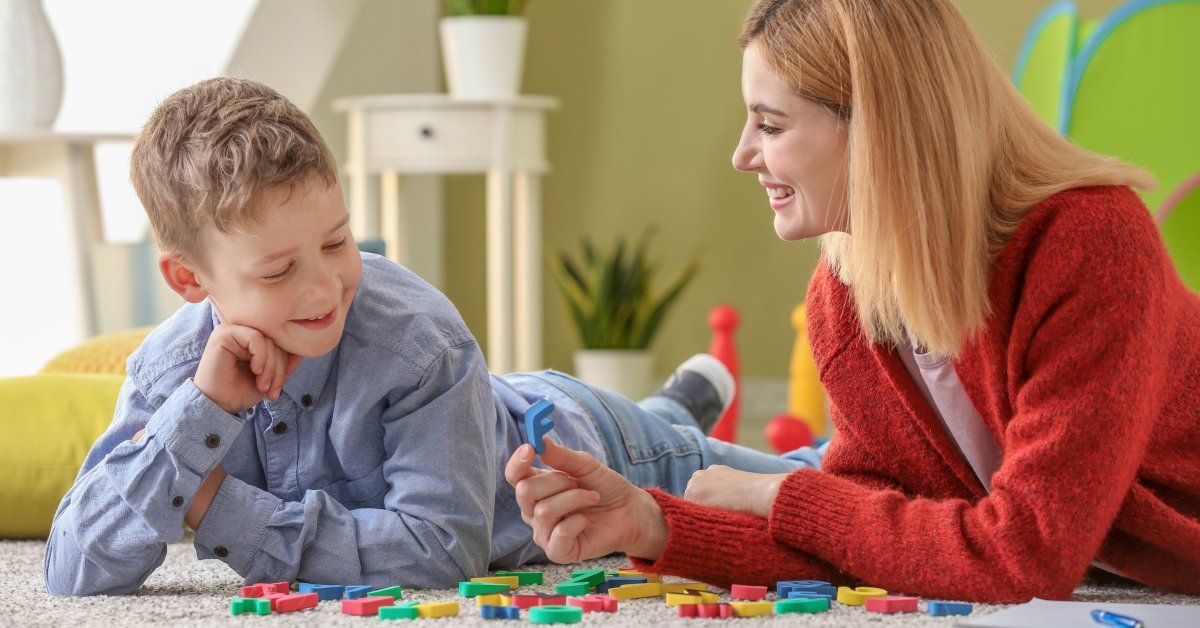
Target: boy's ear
[[180, 276]]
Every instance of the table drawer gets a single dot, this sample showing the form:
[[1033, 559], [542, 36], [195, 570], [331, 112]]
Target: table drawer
[[448, 140], [434, 139]]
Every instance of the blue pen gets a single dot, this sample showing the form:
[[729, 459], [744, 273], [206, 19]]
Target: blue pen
[[1112, 619]]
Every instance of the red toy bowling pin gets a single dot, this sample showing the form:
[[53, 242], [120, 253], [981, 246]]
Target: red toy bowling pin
[[724, 321]]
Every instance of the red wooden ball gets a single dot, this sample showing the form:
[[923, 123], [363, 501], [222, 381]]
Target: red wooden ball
[[786, 432]]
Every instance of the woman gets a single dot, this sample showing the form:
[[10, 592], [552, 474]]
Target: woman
[[1012, 361]]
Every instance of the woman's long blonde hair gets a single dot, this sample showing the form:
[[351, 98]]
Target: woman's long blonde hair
[[944, 155]]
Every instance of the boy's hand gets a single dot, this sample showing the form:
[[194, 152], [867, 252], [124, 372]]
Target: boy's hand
[[731, 489], [240, 366], [584, 509]]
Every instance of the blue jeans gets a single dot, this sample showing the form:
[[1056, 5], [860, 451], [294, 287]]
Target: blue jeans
[[657, 443]]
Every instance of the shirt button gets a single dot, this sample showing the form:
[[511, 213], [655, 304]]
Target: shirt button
[[220, 551], [212, 441], [306, 400], [178, 501], [279, 428]]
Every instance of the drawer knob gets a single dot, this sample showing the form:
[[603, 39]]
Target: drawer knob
[[426, 131]]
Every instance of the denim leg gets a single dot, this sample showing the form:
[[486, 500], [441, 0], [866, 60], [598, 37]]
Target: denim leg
[[668, 410], [657, 443], [714, 451], [810, 456]]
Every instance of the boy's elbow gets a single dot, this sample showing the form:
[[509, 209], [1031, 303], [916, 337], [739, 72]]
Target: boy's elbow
[[67, 583], [54, 584], [65, 578], [445, 575], [446, 580], [61, 581], [456, 571], [68, 572], [65, 586], [457, 565]]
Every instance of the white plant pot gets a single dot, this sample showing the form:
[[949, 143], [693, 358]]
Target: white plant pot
[[483, 55], [31, 75], [628, 372]]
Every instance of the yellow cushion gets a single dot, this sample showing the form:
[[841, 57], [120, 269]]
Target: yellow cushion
[[103, 354], [49, 423]]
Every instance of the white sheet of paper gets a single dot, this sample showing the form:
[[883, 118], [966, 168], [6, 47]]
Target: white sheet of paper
[[1038, 613]]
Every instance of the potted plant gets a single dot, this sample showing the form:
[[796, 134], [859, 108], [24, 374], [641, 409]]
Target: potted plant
[[617, 310], [483, 47]]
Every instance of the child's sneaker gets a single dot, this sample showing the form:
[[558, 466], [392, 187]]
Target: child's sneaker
[[703, 386]]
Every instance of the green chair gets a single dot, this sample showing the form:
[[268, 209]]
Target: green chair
[[1179, 219], [1126, 85]]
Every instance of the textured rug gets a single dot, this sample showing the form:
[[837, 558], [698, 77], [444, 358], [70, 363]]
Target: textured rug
[[187, 592]]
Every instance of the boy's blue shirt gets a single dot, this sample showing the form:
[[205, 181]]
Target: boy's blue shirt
[[381, 463]]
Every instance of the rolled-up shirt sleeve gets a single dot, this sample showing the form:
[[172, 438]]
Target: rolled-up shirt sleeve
[[111, 529]]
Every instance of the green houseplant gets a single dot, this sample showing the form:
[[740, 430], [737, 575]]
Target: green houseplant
[[617, 310], [483, 47], [484, 7]]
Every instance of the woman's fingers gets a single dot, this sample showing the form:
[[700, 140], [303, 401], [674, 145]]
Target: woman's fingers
[[563, 545], [536, 488], [576, 464], [548, 512], [692, 491], [728, 488], [520, 465], [703, 481]]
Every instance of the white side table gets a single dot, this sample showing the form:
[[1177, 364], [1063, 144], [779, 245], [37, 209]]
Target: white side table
[[433, 134], [40, 152]]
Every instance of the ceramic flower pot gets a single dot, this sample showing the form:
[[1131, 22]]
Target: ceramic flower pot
[[628, 372], [483, 55]]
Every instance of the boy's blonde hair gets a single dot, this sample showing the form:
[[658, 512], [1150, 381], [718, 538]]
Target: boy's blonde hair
[[210, 150], [944, 155]]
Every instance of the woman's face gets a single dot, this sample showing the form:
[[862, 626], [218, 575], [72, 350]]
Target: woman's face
[[798, 149]]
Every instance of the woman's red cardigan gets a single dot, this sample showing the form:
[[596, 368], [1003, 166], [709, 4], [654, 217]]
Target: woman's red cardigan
[[1088, 375]]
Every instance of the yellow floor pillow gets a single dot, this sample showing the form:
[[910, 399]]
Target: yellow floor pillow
[[49, 422], [104, 354]]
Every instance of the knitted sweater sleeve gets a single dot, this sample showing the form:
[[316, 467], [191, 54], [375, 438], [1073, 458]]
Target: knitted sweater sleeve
[[1086, 389], [723, 547]]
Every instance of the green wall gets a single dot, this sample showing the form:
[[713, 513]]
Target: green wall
[[651, 111]]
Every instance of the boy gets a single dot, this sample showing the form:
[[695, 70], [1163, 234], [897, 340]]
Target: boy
[[315, 413]]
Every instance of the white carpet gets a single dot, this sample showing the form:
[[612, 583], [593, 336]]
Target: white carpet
[[187, 592]]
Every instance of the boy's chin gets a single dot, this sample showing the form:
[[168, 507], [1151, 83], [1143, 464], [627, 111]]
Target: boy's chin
[[311, 347]]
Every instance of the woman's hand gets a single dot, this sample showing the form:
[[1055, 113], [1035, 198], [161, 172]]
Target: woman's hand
[[727, 488], [583, 509]]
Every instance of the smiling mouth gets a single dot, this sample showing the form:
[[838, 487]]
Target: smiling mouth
[[780, 196], [318, 322]]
